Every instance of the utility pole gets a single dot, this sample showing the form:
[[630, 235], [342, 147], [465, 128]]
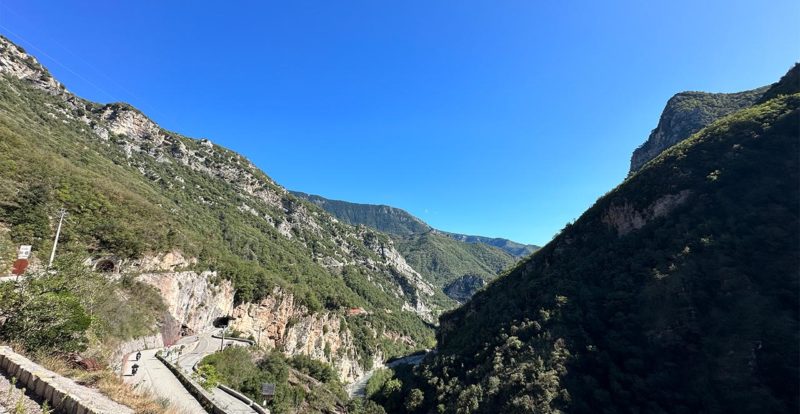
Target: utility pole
[[62, 213], [222, 342]]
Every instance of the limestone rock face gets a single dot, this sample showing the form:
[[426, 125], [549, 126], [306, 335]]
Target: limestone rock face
[[191, 299], [17, 63], [687, 113], [624, 218], [464, 287], [278, 321]]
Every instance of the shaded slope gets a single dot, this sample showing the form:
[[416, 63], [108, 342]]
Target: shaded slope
[[675, 292]]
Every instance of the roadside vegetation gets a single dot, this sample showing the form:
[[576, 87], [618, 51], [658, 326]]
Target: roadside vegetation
[[53, 316], [302, 384]]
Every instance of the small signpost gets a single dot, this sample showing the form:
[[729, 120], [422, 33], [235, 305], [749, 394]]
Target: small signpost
[[268, 392], [24, 252]]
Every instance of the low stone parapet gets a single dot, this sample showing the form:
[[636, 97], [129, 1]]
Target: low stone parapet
[[62, 394]]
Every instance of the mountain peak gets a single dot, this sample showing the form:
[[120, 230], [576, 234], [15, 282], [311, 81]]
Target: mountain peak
[[15, 61]]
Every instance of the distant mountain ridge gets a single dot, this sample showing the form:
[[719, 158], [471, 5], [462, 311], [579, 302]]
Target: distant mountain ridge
[[383, 218], [399, 222]]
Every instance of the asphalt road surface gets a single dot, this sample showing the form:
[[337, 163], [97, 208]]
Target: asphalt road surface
[[154, 376]]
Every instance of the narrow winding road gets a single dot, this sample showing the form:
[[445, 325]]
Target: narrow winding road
[[153, 375], [358, 389]]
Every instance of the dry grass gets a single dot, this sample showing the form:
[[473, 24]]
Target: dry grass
[[112, 386]]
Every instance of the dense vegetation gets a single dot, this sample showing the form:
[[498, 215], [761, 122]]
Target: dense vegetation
[[398, 222], [676, 292], [513, 248], [127, 198], [386, 219], [441, 259], [303, 385], [73, 309]]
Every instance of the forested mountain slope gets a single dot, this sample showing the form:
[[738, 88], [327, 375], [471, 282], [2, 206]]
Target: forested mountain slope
[[676, 292], [133, 189], [398, 222], [385, 219], [457, 263]]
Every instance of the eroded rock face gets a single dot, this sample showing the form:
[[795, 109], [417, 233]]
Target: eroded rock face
[[278, 321], [624, 218], [195, 300], [191, 299], [687, 113], [19, 64], [464, 287]]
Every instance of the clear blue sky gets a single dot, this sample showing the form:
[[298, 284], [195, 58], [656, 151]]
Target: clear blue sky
[[498, 118]]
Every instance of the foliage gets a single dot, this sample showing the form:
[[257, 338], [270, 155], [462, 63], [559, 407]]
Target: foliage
[[442, 260], [207, 376], [246, 369], [385, 219], [675, 292], [316, 369], [66, 308]]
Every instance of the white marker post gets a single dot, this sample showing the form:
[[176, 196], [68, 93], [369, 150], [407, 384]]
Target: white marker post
[[62, 213]]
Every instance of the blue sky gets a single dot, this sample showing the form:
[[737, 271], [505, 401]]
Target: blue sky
[[498, 118]]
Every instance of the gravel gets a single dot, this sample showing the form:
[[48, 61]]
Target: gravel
[[13, 400]]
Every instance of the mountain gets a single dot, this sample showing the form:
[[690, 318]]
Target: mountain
[[443, 261], [202, 224], [399, 222], [457, 264], [687, 113], [385, 219], [675, 292], [511, 247]]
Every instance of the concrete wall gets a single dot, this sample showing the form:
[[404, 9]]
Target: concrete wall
[[63, 394]]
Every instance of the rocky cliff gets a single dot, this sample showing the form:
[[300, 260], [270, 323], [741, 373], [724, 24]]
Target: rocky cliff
[[278, 321], [687, 113]]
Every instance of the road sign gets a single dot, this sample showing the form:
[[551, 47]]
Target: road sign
[[19, 267], [24, 252], [267, 391]]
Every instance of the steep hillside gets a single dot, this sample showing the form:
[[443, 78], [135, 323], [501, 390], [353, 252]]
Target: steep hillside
[[399, 222], [456, 263], [511, 247], [385, 219], [687, 113], [676, 292], [442, 260], [135, 191]]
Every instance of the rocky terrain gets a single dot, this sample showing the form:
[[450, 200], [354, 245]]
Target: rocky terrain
[[687, 113]]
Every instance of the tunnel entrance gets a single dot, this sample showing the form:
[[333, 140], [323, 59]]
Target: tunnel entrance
[[105, 266]]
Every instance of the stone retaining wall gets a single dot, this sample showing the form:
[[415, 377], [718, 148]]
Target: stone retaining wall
[[63, 394]]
